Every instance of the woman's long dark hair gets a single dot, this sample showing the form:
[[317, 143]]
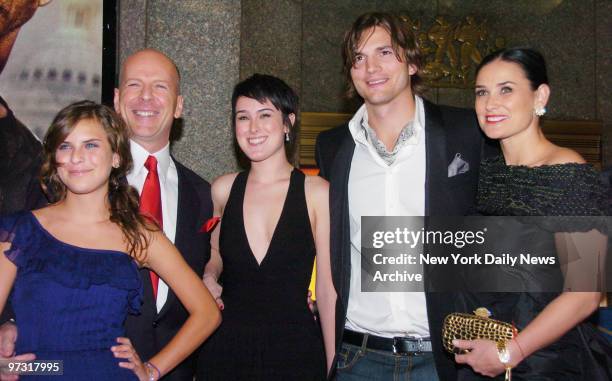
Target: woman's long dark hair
[[122, 198]]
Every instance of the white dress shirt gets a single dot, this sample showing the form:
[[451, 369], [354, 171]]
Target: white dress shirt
[[168, 182], [376, 188]]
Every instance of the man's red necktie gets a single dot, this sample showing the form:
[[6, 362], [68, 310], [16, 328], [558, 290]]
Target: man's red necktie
[[150, 204]]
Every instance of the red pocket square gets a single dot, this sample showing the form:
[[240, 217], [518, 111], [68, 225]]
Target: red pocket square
[[210, 224]]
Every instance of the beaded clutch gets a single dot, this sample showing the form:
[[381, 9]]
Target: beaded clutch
[[460, 326]]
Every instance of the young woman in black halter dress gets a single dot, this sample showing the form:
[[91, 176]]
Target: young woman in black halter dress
[[274, 220]]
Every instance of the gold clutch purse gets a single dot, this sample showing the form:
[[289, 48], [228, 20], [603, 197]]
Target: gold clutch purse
[[459, 326]]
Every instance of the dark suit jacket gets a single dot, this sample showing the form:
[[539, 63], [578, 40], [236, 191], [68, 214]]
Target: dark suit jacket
[[150, 331], [448, 131], [20, 161]]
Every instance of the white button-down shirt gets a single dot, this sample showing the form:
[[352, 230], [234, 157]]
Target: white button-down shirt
[[378, 189], [168, 181]]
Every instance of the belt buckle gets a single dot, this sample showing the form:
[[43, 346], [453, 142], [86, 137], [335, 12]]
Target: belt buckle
[[397, 350], [419, 346], [395, 342]]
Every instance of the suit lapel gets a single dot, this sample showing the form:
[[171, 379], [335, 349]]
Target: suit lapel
[[436, 171], [183, 205], [340, 241]]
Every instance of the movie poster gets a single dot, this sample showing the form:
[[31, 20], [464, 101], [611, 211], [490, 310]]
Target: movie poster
[[56, 60]]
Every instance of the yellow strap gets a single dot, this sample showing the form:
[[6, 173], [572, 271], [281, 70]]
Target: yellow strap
[[313, 281]]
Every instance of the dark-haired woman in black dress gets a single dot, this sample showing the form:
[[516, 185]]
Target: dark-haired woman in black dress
[[534, 177], [273, 222]]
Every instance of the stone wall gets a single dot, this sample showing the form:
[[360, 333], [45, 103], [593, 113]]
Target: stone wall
[[573, 35], [217, 42], [203, 38]]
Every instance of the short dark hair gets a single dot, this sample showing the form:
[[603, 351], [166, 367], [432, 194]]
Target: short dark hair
[[530, 60], [262, 87], [402, 40]]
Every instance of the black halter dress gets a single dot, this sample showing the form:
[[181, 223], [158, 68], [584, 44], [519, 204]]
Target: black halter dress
[[268, 332]]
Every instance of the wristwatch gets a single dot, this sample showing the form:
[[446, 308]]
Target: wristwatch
[[504, 357]]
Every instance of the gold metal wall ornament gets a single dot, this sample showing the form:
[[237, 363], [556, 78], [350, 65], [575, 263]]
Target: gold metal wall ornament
[[452, 49]]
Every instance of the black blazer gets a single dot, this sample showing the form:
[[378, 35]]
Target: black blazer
[[150, 331], [20, 161], [448, 131]]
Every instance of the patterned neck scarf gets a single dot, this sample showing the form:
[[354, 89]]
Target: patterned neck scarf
[[389, 157]]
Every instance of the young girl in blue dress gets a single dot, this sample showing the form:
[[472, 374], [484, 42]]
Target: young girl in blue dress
[[73, 266]]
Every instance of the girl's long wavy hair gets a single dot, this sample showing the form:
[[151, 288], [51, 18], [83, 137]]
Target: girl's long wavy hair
[[122, 198]]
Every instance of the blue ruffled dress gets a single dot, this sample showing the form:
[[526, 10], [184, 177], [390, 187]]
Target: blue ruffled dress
[[70, 302]]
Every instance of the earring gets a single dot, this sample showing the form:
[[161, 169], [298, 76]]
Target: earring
[[540, 111], [287, 139]]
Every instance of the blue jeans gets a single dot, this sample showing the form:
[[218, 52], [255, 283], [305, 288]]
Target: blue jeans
[[362, 364]]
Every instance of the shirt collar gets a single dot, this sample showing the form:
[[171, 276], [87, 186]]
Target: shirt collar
[[358, 133], [140, 155]]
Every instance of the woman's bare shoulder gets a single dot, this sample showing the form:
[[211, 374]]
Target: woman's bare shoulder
[[316, 184], [316, 188], [221, 188], [562, 155]]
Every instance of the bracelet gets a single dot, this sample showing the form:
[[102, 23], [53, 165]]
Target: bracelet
[[519, 347], [151, 370], [504, 357]]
